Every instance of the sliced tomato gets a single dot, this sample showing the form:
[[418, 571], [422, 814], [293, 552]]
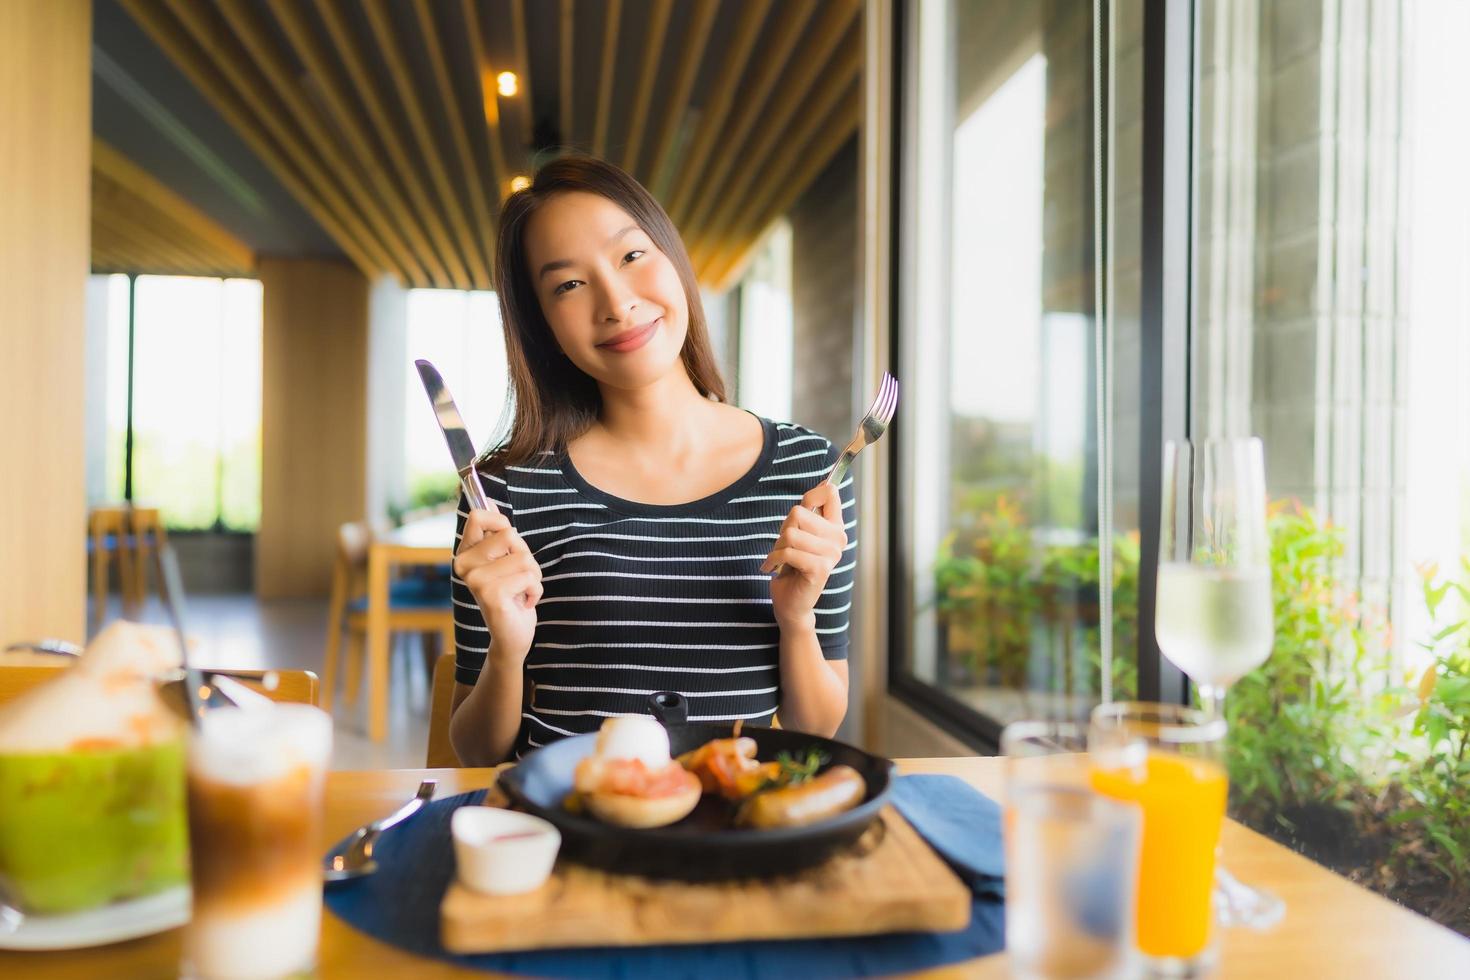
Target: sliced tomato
[[630, 777], [668, 781]]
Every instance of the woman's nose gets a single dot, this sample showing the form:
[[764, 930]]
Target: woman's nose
[[617, 300]]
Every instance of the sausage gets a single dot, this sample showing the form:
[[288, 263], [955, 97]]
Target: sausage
[[839, 788]]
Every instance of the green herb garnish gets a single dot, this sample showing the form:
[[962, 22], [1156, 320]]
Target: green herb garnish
[[795, 771]]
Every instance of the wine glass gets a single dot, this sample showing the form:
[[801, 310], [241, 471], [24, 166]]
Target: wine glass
[[1214, 617]]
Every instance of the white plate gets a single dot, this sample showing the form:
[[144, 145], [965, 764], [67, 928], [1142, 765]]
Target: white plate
[[97, 927]]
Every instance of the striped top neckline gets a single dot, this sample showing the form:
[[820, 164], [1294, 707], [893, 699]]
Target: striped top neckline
[[710, 502]]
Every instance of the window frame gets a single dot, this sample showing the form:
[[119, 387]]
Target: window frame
[[1166, 306]]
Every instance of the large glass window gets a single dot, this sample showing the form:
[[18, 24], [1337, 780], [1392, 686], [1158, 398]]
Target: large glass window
[[1319, 300], [460, 332], [195, 389], [766, 330], [1121, 375], [107, 387], [1001, 522], [1333, 320]]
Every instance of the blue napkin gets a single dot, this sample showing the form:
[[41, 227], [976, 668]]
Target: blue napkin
[[400, 905], [959, 823]]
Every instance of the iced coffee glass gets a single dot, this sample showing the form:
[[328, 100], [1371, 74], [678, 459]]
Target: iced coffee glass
[[255, 814]]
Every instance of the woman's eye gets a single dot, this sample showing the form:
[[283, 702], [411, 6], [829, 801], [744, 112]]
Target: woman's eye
[[571, 284]]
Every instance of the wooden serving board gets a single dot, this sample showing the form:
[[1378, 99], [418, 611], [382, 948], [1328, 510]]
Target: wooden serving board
[[890, 881]]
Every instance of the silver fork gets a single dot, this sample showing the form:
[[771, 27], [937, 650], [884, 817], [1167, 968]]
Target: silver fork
[[869, 431]]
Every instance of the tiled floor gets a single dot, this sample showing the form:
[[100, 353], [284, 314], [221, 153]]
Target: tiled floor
[[240, 631]]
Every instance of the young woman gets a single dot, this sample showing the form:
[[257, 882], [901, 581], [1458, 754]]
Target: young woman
[[637, 518]]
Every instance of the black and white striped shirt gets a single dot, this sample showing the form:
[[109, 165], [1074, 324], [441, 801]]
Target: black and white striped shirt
[[641, 598]]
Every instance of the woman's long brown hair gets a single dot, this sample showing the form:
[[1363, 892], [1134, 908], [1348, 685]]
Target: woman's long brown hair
[[552, 399]]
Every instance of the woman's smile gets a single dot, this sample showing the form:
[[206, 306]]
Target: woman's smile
[[633, 338]]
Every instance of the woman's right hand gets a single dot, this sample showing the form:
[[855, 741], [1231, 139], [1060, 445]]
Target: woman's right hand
[[497, 566]]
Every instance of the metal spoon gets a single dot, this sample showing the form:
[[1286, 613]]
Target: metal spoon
[[353, 858], [60, 648]]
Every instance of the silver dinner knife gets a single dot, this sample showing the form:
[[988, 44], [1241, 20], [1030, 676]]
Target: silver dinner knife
[[461, 449]]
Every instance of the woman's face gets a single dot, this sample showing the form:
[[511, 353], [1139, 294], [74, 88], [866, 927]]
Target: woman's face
[[614, 301]]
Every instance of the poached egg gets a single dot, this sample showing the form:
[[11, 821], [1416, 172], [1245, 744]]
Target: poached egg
[[638, 737]]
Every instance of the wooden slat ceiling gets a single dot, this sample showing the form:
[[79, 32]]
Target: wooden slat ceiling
[[139, 225], [383, 118]]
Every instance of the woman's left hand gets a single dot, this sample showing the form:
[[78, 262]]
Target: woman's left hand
[[810, 546]]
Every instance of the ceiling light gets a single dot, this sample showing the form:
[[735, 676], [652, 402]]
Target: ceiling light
[[519, 183], [506, 83]]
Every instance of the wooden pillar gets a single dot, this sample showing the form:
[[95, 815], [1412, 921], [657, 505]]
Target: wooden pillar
[[313, 420], [45, 162]]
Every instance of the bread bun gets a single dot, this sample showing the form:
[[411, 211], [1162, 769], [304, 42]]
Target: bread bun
[[642, 812]]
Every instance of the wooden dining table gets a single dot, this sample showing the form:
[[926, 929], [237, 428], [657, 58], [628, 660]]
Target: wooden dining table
[[1332, 928], [429, 541]]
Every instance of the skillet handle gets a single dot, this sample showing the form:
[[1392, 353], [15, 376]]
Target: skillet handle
[[669, 708]]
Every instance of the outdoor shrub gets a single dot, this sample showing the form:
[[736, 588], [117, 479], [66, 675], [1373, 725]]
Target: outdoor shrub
[[1321, 743], [997, 583], [1435, 772], [1295, 721]]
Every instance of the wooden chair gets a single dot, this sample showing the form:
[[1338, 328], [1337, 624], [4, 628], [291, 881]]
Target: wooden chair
[[108, 531], [148, 537], [353, 540], [21, 672], [413, 607], [441, 754]]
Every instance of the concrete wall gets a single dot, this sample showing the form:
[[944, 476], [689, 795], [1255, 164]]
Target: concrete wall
[[825, 286], [824, 298], [1300, 322]]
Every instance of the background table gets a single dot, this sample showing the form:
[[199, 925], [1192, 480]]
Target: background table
[[426, 542], [1332, 928]]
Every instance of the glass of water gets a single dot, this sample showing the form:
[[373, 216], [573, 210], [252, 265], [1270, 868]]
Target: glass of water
[[1048, 752], [1071, 860], [1214, 618]]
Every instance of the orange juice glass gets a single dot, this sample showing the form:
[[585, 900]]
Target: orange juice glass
[[1167, 759]]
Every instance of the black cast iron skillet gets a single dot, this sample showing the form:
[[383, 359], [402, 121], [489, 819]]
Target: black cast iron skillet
[[704, 846]]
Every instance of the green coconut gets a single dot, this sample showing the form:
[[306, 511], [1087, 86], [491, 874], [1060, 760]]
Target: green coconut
[[83, 828], [92, 791]]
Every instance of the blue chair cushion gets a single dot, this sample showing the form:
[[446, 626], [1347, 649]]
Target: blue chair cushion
[[410, 593], [110, 542]]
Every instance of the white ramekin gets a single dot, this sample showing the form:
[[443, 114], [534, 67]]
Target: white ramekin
[[493, 861]]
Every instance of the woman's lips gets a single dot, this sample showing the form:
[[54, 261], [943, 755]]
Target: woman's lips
[[631, 340]]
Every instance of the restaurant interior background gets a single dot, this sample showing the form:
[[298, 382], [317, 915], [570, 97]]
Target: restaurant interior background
[[1072, 230]]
